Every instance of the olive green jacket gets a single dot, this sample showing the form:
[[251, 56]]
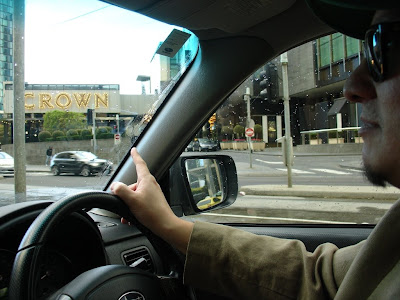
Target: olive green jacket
[[241, 265]]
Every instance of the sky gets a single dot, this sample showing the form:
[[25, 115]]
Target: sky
[[88, 42]]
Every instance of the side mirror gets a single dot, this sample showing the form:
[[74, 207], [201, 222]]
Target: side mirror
[[202, 183]]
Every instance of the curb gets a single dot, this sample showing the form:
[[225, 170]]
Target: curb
[[354, 192], [41, 170], [279, 153]]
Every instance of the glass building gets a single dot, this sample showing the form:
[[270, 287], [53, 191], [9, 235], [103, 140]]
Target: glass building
[[6, 45]]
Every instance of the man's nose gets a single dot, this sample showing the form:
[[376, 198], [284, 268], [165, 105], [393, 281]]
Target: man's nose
[[360, 87]]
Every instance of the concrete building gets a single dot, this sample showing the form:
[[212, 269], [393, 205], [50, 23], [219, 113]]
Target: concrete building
[[6, 45]]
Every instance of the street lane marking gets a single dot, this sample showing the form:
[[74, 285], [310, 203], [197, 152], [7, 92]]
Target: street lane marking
[[331, 171], [297, 171], [270, 162], [279, 219], [355, 170]]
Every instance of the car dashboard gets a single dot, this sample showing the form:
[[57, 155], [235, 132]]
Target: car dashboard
[[80, 242]]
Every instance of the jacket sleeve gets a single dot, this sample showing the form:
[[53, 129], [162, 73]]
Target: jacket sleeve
[[240, 265]]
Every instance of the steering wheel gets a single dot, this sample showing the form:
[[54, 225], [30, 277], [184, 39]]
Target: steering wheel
[[106, 282]]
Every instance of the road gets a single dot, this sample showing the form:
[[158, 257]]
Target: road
[[267, 169], [316, 170]]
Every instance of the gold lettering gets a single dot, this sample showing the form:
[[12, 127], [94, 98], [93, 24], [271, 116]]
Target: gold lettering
[[98, 99], [44, 100], [82, 100], [29, 95], [64, 100], [61, 105]]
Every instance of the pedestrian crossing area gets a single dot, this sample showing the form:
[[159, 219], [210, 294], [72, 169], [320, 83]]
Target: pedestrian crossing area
[[279, 166], [316, 171]]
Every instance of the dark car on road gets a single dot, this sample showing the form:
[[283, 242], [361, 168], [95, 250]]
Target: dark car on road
[[193, 146], [80, 163], [208, 145]]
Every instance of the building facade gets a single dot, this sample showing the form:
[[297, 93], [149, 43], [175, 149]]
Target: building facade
[[112, 109], [6, 45]]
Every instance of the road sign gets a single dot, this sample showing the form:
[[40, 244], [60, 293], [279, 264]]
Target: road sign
[[117, 139], [249, 132]]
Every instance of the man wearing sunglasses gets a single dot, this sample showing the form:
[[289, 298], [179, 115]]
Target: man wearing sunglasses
[[270, 268]]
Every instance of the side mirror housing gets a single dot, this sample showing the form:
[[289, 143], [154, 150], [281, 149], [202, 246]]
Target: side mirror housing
[[202, 183]]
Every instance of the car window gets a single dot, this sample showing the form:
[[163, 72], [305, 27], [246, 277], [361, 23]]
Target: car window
[[95, 74], [5, 156], [323, 181], [86, 155]]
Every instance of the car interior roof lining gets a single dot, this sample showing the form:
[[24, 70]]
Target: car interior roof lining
[[234, 18]]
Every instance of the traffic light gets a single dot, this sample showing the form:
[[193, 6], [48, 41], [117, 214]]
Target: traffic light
[[268, 83], [212, 120], [89, 116]]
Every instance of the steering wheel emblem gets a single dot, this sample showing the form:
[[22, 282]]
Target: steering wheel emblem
[[132, 296]]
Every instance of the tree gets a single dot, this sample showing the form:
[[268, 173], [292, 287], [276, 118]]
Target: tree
[[44, 136], [59, 135], [258, 130], [63, 120], [226, 131], [238, 130], [72, 134]]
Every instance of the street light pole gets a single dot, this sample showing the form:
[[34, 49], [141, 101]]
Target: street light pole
[[248, 122], [94, 130], [288, 144]]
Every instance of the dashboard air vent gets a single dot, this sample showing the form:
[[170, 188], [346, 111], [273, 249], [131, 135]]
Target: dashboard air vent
[[132, 256]]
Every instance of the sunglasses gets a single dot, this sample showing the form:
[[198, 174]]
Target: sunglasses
[[378, 41]]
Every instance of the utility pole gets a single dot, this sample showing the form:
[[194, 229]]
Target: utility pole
[[19, 101], [94, 130], [117, 121], [119, 140], [288, 144]]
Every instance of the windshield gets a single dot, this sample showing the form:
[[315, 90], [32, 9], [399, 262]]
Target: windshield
[[94, 75], [86, 155]]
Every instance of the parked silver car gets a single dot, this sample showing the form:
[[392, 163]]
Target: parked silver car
[[6, 164]]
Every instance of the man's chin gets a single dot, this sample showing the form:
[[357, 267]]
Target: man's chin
[[374, 177]]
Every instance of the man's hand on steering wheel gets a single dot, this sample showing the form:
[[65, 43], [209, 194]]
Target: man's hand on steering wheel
[[146, 201]]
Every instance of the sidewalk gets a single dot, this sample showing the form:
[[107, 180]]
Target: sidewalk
[[38, 168], [321, 191]]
